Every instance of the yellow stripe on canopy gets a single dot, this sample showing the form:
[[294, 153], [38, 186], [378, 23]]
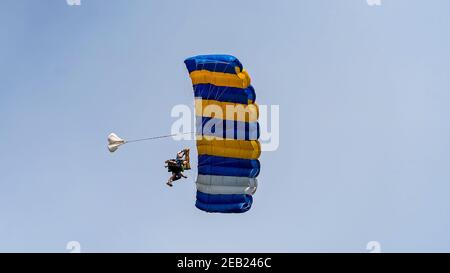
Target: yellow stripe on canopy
[[239, 80], [245, 149], [226, 110]]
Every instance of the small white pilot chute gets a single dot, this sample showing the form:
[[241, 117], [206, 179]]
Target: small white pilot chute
[[114, 142]]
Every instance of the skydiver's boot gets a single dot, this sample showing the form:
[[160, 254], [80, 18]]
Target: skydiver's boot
[[169, 183]]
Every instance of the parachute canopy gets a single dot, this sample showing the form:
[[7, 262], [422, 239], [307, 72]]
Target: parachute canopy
[[227, 133]]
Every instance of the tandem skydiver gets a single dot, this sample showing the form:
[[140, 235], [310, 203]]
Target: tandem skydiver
[[178, 165]]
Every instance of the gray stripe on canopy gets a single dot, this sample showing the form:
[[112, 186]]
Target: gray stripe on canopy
[[222, 180], [211, 189], [215, 184]]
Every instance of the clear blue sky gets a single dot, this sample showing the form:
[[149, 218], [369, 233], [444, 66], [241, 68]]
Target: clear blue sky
[[364, 136]]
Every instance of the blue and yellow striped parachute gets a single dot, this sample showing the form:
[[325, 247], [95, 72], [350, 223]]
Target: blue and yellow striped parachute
[[227, 132]]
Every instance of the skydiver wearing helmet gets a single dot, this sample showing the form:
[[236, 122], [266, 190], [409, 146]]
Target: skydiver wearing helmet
[[178, 165]]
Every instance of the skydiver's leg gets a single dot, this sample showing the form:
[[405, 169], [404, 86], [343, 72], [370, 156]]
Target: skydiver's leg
[[171, 179], [182, 175], [176, 176]]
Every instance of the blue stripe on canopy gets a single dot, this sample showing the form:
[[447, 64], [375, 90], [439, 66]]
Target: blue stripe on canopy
[[224, 203], [213, 63], [229, 129], [228, 166], [209, 91]]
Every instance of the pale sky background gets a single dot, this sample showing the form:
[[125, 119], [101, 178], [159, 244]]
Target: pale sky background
[[364, 95]]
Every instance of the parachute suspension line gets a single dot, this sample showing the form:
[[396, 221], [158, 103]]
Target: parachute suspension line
[[157, 137], [114, 142], [211, 87], [209, 90], [225, 89]]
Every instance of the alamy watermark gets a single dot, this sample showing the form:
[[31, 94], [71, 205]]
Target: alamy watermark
[[240, 122], [74, 247], [374, 2], [73, 2], [373, 247]]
